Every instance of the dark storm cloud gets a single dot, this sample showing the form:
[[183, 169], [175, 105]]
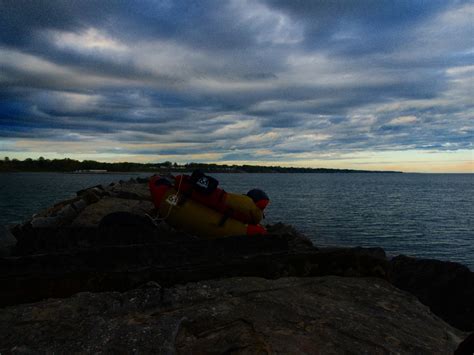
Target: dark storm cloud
[[242, 79], [359, 27]]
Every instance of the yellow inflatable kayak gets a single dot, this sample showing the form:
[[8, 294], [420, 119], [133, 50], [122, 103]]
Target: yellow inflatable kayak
[[213, 214]]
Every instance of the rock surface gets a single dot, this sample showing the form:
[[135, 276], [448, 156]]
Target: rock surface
[[329, 315], [44, 231], [7, 241], [93, 214], [446, 287], [169, 258], [104, 240]]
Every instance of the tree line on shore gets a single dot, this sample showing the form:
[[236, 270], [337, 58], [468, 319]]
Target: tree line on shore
[[70, 165]]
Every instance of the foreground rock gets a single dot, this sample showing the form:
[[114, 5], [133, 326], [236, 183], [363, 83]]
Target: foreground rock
[[103, 240], [170, 258], [446, 287], [327, 315]]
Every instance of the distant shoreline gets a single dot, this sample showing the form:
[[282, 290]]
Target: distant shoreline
[[227, 172], [94, 167], [333, 171]]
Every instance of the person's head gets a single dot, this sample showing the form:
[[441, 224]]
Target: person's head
[[259, 197]]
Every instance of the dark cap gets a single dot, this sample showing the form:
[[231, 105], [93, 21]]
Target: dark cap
[[259, 197]]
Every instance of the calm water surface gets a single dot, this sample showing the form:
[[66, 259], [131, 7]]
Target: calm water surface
[[425, 215]]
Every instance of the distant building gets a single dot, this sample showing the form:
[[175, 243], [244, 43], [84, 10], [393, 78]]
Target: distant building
[[90, 171]]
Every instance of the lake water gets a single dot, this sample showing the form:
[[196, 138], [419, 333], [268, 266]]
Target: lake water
[[424, 215]]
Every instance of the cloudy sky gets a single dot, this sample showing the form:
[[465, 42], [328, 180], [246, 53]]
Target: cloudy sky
[[341, 84]]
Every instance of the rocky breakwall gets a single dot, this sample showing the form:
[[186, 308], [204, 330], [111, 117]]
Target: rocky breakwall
[[326, 315], [58, 227], [108, 243]]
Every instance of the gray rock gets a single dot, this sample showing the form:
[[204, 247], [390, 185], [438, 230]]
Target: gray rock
[[327, 315], [466, 347], [79, 205], [131, 190], [120, 258], [85, 210], [7, 241], [296, 240], [56, 218], [44, 222], [446, 287], [93, 214], [99, 190]]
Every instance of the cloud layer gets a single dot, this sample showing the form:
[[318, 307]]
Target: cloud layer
[[263, 81]]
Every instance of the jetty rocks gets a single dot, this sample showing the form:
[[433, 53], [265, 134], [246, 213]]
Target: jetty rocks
[[97, 274]]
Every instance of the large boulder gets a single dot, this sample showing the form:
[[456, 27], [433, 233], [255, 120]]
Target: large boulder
[[446, 287], [134, 189], [45, 231], [328, 315], [170, 258], [92, 215]]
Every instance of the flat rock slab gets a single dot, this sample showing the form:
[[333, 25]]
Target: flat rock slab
[[329, 315], [132, 190], [92, 214]]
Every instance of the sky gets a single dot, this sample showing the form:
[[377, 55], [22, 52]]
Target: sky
[[368, 84]]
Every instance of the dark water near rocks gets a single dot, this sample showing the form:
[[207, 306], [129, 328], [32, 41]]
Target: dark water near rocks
[[424, 215]]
